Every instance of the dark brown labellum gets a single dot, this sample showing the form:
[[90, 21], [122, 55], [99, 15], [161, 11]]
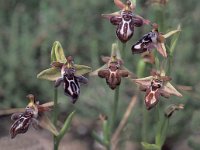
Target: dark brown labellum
[[22, 122], [71, 83], [146, 43], [71, 87], [125, 25], [113, 74], [153, 94]]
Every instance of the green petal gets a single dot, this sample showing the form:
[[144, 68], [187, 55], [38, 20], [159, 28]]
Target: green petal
[[57, 53], [82, 69], [51, 74]]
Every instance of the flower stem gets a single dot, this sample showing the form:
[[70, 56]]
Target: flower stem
[[115, 107], [55, 117]]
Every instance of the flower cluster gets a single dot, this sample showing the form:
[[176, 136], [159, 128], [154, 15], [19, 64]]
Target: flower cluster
[[64, 71], [155, 85]]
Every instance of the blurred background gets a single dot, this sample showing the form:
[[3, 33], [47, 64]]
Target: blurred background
[[27, 32]]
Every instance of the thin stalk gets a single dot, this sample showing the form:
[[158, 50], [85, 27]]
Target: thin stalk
[[55, 117], [115, 107], [144, 123], [124, 51]]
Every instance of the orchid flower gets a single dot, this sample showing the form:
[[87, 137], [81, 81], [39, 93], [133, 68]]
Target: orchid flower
[[155, 86], [32, 115], [113, 70], [64, 71], [151, 40], [125, 20]]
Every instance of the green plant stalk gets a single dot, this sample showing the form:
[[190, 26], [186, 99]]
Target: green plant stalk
[[144, 123], [55, 117], [115, 107], [116, 95], [140, 72], [124, 51]]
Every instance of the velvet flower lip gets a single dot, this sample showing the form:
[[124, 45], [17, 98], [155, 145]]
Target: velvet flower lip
[[155, 86], [113, 70], [125, 20], [153, 40], [63, 70], [30, 116]]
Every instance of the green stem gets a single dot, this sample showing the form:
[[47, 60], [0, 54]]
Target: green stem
[[55, 117], [115, 107], [144, 124], [124, 51]]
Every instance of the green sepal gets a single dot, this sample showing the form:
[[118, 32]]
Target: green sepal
[[57, 53], [82, 69], [51, 74]]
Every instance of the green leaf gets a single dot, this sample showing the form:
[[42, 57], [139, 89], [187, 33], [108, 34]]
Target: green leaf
[[82, 69], [66, 126], [57, 53], [51, 74], [148, 146]]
